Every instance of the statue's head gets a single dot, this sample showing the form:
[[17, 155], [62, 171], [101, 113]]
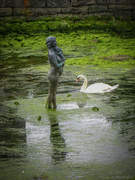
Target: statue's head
[[51, 42]]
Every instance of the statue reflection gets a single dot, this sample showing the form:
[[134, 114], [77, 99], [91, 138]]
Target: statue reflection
[[58, 142]]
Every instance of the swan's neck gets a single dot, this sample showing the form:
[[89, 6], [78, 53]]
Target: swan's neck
[[84, 86]]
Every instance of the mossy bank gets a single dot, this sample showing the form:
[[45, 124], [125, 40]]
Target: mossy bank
[[98, 41]]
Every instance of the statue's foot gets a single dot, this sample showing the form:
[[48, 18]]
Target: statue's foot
[[48, 106], [55, 107]]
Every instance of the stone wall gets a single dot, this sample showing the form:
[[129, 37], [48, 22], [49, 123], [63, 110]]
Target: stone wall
[[124, 9]]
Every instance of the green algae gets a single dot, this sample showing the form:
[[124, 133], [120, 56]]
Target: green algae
[[90, 152], [66, 24], [81, 48], [87, 137], [97, 41]]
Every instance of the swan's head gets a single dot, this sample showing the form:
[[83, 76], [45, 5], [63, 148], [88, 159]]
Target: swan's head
[[80, 77]]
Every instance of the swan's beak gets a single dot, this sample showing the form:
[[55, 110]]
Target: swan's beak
[[77, 79]]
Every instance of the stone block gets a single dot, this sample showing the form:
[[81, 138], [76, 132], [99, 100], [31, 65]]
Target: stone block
[[75, 10], [2, 18], [5, 12], [120, 7], [23, 12], [52, 11], [118, 2], [123, 15], [46, 11], [40, 12], [10, 18], [18, 4], [38, 3], [133, 15], [101, 1], [102, 14], [5, 3], [97, 8], [18, 11], [58, 3], [78, 3], [132, 1]]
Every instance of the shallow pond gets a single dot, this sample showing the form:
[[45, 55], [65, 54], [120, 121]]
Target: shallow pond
[[86, 137]]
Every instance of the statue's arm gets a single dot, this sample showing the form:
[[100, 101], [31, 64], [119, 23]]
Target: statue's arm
[[53, 60]]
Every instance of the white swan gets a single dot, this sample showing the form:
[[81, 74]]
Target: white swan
[[95, 88]]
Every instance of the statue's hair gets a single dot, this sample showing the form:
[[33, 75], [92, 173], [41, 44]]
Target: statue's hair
[[50, 39]]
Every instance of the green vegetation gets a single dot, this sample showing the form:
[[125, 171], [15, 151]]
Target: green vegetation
[[67, 24], [95, 41]]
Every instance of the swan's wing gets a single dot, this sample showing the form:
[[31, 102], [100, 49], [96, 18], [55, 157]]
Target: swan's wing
[[112, 88], [98, 88]]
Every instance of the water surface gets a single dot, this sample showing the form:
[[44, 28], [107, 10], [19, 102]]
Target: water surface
[[86, 137]]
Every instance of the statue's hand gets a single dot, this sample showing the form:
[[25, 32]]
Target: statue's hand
[[63, 61]]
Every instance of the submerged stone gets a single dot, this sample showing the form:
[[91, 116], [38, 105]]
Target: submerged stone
[[39, 118], [16, 103], [95, 109]]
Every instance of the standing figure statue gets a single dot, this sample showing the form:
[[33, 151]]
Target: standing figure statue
[[57, 60]]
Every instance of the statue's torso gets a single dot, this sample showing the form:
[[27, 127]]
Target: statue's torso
[[54, 71]]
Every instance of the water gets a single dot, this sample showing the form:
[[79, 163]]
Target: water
[[87, 137]]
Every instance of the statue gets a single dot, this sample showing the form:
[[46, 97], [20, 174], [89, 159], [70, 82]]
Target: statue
[[57, 60]]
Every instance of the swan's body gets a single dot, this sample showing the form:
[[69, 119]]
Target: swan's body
[[95, 88]]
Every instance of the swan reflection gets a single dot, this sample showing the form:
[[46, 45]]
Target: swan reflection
[[90, 100]]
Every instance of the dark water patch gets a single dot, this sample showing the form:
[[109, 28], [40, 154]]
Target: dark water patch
[[12, 134], [23, 84], [79, 51], [13, 63]]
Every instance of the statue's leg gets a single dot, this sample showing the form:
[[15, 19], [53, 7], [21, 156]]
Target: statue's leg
[[53, 84], [54, 101], [49, 97], [49, 101], [54, 94]]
